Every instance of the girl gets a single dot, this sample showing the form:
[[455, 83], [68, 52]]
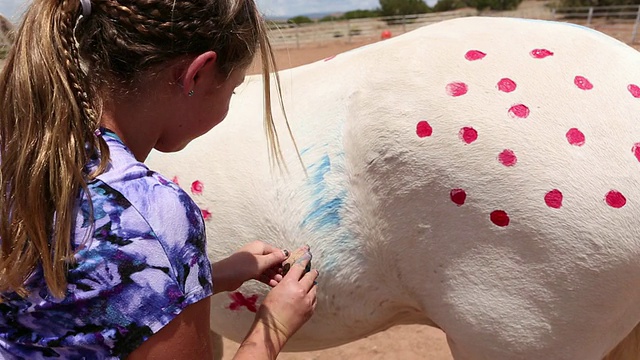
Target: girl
[[102, 257]]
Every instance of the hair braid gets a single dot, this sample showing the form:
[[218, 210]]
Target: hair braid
[[50, 106]]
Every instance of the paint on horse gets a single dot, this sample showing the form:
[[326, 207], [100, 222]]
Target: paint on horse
[[480, 175]]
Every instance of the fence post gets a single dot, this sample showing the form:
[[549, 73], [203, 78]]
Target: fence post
[[297, 36], [404, 23], [553, 14], [590, 16], [349, 31], [635, 27]]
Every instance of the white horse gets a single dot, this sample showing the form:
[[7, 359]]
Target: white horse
[[481, 175]]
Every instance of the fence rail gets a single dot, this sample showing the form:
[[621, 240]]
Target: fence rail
[[296, 36], [621, 22]]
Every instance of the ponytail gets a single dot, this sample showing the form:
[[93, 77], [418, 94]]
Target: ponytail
[[47, 124]]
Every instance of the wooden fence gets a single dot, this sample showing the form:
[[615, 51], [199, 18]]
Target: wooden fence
[[620, 22]]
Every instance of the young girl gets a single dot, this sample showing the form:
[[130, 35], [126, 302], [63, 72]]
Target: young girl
[[101, 257]]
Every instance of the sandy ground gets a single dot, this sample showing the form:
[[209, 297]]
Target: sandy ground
[[289, 58], [406, 342]]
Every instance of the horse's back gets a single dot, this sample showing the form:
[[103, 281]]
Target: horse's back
[[483, 172]]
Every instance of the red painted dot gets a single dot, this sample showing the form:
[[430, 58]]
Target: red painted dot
[[541, 53], [507, 158], [582, 83], [575, 137], [506, 85], [615, 199], [238, 300], [197, 187], [634, 90], [472, 55], [520, 111], [175, 180], [458, 196], [457, 88], [423, 129], [468, 134], [206, 214], [500, 218], [553, 199], [330, 57], [636, 150]]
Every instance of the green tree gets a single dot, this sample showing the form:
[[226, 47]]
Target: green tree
[[361, 14], [403, 7], [300, 20], [330, 18], [495, 4], [448, 5]]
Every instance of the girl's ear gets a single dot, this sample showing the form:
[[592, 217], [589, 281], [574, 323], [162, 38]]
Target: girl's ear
[[194, 70]]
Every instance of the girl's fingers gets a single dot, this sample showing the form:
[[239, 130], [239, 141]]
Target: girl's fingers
[[309, 280], [297, 269], [269, 249]]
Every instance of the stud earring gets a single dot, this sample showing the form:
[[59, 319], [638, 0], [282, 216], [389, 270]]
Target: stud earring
[[191, 93]]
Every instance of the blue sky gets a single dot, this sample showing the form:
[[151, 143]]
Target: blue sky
[[275, 8]]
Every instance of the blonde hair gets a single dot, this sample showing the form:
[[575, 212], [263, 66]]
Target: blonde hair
[[50, 106]]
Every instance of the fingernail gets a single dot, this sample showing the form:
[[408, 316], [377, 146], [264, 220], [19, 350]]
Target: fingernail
[[306, 256], [315, 283], [285, 252]]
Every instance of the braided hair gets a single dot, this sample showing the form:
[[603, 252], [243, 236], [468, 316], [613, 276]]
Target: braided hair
[[50, 106]]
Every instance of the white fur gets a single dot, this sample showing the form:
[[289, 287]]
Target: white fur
[[390, 244]]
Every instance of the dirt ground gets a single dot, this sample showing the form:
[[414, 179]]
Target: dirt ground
[[406, 342]]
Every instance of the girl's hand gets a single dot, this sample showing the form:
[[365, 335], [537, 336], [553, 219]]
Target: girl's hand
[[290, 304], [256, 260]]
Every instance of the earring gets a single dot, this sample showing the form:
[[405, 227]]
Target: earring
[[191, 93]]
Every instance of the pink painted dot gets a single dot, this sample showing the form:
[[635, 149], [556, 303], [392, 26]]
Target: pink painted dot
[[636, 150], [506, 85], [582, 83], [197, 187], [206, 214], [553, 199], [457, 88], [541, 53], [615, 199], [575, 137], [500, 218], [507, 158], [330, 57], [468, 134], [473, 55], [423, 129], [634, 90], [175, 180], [520, 111], [458, 196]]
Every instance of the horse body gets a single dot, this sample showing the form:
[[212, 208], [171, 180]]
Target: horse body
[[479, 175]]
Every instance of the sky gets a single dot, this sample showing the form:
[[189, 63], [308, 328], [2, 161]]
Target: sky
[[272, 8]]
